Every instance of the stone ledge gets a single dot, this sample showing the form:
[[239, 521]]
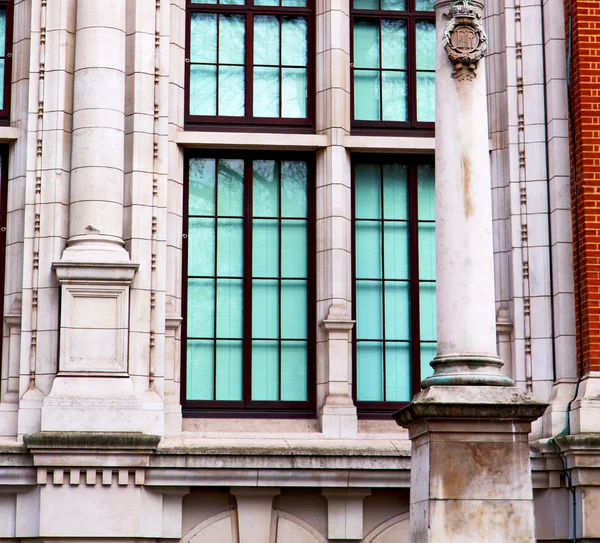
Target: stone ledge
[[471, 402], [92, 440], [582, 442], [284, 447]]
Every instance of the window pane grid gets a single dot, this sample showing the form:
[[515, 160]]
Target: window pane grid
[[388, 93], [217, 332], [387, 355], [287, 340], [237, 84]]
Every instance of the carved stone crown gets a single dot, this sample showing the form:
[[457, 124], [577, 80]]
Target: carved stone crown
[[462, 8]]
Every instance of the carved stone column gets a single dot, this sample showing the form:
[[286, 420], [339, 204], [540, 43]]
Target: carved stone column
[[93, 391], [469, 426]]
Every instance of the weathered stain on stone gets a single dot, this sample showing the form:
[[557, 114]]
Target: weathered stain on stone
[[465, 168]]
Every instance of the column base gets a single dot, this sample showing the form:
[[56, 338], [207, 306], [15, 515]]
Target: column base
[[92, 404], [470, 467], [585, 410], [471, 369]]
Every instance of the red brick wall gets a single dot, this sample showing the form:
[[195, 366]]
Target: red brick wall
[[585, 119]]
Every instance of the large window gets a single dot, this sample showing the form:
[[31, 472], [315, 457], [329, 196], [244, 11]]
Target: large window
[[250, 285], [394, 281], [250, 63], [393, 64], [6, 24]]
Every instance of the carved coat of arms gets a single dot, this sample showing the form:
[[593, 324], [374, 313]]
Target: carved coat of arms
[[464, 39]]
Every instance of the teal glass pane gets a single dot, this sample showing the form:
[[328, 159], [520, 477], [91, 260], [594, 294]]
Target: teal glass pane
[[366, 44], [204, 1], [266, 2], [294, 371], [367, 180], [230, 247], [201, 246], [426, 96], [426, 192], [397, 310], [369, 310], [396, 250], [265, 188], [294, 180], [293, 93], [229, 370], [425, 5], [398, 5], [2, 32], [365, 4], [426, 45], [294, 37], [265, 248], [202, 186], [294, 251], [428, 353], [395, 191], [368, 249], [294, 3], [366, 95], [234, 2], [427, 311], [201, 308], [265, 101], [293, 309], [393, 44], [265, 309], [203, 37], [398, 372], [200, 370], [266, 39], [427, 250], [394, 93], [231, 187], [265, 370], [230, 308], [231, 91], [369, 370], [232, 39], [203, 89]]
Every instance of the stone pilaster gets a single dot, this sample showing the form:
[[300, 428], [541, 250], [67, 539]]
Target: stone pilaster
[[469, 426], [92, 390]]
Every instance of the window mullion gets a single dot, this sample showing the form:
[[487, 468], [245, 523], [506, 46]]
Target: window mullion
[[413, 196], [247, 334]]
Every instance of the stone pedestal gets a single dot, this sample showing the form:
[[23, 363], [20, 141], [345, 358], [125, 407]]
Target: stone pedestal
[[470, 467], [338, 414]]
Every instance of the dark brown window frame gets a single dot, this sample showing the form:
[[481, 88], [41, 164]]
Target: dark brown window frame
[[3, 230], [410, 127], [5, 111], [248, 408], [248, 123], [382, 409]]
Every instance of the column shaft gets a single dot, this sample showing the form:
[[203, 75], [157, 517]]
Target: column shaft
[[466, 321], [98, 121]]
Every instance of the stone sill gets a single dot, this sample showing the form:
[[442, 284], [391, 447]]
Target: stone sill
[[8, 134], [284, 447], [389, 144], [244, 140]]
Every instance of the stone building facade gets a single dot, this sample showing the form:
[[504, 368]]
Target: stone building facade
[[174, 173]]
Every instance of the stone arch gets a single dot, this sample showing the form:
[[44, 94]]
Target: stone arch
[[393, 530], [221, 527], [291, 529]]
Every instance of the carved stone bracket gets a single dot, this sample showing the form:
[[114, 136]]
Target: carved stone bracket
[[464, 39]]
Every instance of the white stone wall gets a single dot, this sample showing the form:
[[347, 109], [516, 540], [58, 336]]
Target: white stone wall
[[350, 489]]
